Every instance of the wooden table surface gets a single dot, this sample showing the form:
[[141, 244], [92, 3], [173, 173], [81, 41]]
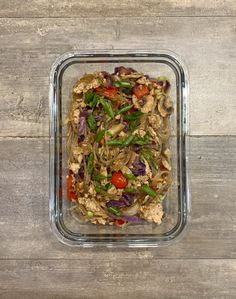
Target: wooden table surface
[[33, 263]]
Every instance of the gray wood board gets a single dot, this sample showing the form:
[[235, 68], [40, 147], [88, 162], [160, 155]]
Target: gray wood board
[[102, 8], [24, 217], [138, 277], [29, 47]]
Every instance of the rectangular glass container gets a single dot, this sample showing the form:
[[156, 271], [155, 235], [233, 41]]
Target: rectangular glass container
[[66, 70]]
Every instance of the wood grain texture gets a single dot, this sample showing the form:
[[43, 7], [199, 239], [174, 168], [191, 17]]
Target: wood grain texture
[[101, 279], [102, 8], [33, 264], [29, 47], [24, 224]]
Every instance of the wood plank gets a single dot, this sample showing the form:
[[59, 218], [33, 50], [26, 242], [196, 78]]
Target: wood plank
[[102, 8], [29, 47], [136, 278], [24, 224]]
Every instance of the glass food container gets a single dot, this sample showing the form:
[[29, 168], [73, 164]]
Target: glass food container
[[66, 70]]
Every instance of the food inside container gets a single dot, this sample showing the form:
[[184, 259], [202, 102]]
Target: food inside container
[[119, 156]]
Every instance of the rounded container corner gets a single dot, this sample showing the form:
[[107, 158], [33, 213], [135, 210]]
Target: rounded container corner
[[54, 101]]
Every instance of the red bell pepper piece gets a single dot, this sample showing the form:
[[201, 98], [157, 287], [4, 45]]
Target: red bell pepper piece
[[140, 91], [71, 195], [109, 92], [119, 222]]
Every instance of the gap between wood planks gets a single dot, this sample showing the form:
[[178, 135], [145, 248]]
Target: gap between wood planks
[[48, 137], [120, 17]]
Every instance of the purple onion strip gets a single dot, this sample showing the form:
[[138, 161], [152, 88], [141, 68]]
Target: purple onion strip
[[139, 168]]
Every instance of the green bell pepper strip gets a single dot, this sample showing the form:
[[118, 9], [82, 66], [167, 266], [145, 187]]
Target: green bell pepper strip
[[114, 142], [130, 176], [90, 163], [129, 190], [122, 84], [114, 211], [100, 135], [133, 116], [91, 98], [92, 122], [107, 108], [124, 109], [133, 125], [142, 141], [128, 141], [149, 190]]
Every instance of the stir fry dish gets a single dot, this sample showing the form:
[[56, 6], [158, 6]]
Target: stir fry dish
[[119, 158]]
